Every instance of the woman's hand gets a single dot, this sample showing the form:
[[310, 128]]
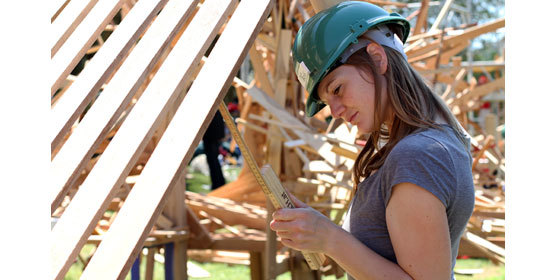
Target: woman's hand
[[303, 228]]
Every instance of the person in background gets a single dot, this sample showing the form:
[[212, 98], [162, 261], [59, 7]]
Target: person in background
[[211, 143]]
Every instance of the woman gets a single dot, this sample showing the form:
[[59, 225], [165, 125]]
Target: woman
[[414, 191]]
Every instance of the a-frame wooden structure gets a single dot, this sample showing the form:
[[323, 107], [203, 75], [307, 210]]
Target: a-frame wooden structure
[[153, 83]]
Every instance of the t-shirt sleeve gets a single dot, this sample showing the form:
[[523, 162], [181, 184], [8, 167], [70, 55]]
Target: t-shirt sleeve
[[422, 161]]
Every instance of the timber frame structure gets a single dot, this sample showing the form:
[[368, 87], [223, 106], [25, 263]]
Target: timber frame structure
[[134, 85]]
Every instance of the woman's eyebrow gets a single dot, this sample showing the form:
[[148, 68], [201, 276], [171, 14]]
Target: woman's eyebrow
[[328, 84]]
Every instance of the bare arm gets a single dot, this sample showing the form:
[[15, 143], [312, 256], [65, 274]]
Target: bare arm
[[417, 231]]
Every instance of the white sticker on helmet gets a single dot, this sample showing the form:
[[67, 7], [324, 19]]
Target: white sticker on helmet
[[303, 74]]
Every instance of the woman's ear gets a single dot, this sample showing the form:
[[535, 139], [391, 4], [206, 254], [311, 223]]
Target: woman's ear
[[378, 56]]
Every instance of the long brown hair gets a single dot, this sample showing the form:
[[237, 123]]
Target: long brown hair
[[413, 103]]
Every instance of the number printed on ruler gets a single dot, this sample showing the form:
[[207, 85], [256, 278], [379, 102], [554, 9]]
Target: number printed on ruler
[[287, 200]]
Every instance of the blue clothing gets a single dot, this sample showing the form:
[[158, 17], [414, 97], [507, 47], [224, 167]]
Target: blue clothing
[[434, 159]]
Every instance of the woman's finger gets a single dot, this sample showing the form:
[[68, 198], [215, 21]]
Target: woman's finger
[[287, 214], [281, 225]]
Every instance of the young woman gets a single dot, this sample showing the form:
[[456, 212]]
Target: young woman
[[414, 190]]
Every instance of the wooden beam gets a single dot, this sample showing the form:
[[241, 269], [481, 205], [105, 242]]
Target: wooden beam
[[81, 39], [421, 22], [100, 118], [116, 162], [123, 240], [441, 16], [56, 7], [67, 21], [100, 67], [260, 73]]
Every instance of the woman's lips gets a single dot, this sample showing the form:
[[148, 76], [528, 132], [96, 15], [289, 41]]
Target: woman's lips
[[352, 118]]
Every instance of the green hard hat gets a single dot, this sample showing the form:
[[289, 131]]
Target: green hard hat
[[325, 36]]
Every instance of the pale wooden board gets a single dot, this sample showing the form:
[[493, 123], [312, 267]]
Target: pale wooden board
[[259, 70], [89, 81], [67, 21], [73, 156], [81, 39], [92, 198], [323, 148], [56, 7], [441, 16], [124, 238], [422, 18]]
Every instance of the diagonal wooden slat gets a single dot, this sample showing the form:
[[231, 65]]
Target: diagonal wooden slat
[[82, 38], [123, 240], [67, 21], [78, 149], [89, 81], [55, 8], [93, 197]]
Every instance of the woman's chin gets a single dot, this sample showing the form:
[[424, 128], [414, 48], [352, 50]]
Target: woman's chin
[[363, 129]]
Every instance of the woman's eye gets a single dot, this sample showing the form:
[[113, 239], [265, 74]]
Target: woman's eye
[[337, 90]]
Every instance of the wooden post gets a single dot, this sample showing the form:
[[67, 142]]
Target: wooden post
[[421, 22], [255, 264], [176, 211], [150, 265]]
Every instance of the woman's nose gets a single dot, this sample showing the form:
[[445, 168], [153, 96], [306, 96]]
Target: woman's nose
[[336, 109]]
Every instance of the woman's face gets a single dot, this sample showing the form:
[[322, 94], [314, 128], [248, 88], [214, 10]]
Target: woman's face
[[350, 96]]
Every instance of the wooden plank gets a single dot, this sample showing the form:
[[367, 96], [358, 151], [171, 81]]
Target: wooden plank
[[199, 234], [125, 148], [67, 21], [484, 243], [100, 67], [441, 16], [261, 76], [422, 18], [81, 39], [124, 238], [56, 7], [98, 121]]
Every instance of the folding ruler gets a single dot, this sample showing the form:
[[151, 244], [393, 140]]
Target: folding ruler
[[268, 181]]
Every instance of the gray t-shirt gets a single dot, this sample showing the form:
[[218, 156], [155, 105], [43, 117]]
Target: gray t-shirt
[[434, 159]]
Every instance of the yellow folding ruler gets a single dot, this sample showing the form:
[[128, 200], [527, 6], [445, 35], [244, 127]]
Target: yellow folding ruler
[[268, 181]]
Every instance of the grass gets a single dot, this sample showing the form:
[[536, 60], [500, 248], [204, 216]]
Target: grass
[[490, 270], [221, 271]]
